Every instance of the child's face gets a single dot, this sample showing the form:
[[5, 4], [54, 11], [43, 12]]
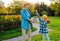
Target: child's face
[[44, 17]]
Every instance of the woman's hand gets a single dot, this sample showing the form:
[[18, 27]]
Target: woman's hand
[[31, 20]]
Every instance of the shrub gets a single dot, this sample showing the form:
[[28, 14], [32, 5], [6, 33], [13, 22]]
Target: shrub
[[44, 13]]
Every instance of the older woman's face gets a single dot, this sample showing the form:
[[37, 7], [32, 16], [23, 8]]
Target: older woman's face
[[26, 6]]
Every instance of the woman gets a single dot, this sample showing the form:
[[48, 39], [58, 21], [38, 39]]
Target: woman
[[26, 22]]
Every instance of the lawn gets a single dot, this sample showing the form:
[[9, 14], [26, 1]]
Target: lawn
[[54, 33], [12, 33]]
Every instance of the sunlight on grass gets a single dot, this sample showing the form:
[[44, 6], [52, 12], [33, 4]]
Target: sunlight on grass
[[54, 34]]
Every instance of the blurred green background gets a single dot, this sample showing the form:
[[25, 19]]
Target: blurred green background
[[10, 16]]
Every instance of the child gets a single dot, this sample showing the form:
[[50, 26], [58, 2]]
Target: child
[[43, 25]]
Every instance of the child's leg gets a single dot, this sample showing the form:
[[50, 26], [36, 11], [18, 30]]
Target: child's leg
[[43, 37], [23, 34], [47, 37]]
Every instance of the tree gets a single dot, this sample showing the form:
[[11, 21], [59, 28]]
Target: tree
[[2, 8], [15, 7], [55, 7], [32, 9], [44, 12], [1, 3], [41, 8]]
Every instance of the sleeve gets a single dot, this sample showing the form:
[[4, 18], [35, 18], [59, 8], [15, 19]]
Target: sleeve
[[38, 16], [24, 15]]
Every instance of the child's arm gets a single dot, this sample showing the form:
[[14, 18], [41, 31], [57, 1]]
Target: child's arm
[[38, 15]]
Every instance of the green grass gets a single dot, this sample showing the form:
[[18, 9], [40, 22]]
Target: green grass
[[55, 23], [54, 34], [12, 33]]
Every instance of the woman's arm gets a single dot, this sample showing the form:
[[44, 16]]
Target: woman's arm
[[23, 15]]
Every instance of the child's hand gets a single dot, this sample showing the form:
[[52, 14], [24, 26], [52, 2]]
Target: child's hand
[[36, 12]]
